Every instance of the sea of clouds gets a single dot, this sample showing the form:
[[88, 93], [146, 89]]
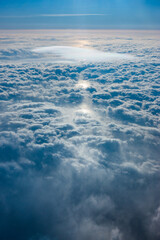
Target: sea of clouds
[[79, 135]]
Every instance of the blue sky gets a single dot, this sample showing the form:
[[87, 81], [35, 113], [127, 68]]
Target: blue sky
[[22, 14]]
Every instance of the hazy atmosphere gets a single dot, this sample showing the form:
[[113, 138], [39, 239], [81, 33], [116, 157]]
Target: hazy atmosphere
[[79, 120]]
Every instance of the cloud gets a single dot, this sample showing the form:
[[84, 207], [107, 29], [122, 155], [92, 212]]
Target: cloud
[[56, 15], [79, 142], [82, 54], [72, 15]]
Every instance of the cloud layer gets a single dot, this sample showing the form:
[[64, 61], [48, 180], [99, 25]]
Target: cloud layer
[[79, 142]]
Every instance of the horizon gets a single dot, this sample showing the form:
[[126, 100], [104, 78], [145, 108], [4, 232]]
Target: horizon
[[101, 29]]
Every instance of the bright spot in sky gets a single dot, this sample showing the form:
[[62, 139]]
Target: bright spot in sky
[[83, 84], [82, 43], [84, 109], [81, 54]]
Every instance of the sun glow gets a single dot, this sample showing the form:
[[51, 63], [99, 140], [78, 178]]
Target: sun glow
[[83, 43], [83, 84], [84, 110]]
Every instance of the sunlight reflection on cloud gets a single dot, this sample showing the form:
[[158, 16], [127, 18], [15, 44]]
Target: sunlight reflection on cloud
[[83, 84]]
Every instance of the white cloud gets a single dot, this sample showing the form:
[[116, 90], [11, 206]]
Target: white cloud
[[56, 15], [82, 54], [72, 15], [79, 142]]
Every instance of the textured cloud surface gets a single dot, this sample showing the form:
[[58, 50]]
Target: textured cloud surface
[[80, 140]]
